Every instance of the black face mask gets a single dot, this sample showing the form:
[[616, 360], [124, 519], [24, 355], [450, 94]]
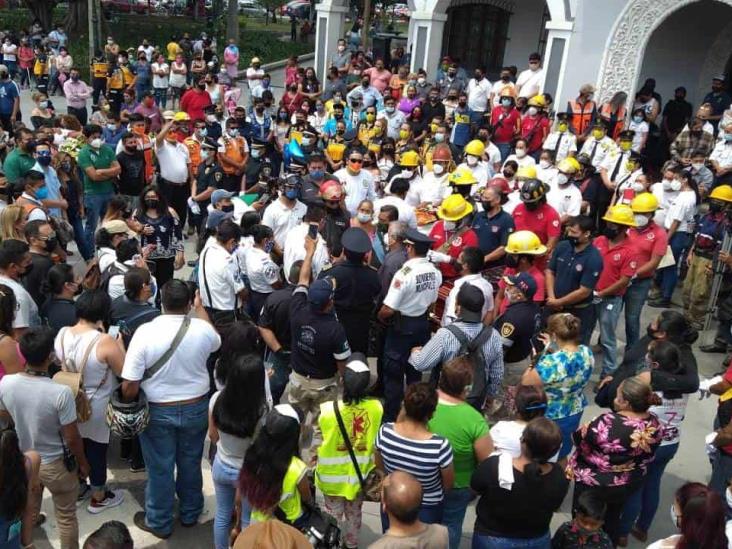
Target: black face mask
[[611, 232], [487, 205], [131, 149], [512, 261], [151, 203], [201, 86], [227, 209], [573, 240], [531, 206], [715, 207], [51, 244]]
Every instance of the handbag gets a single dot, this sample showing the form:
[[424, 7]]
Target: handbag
[[73, 378], [63, 229], [371, 485], [319, 528]]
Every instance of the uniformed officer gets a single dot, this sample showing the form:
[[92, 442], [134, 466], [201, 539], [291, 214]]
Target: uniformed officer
[[615, 168], [208, 179], [572, 275], [599, 145], [357, 287], [413, 289], [263, 273], [516, 326], [99, 71], [561, 141], [337, 218]]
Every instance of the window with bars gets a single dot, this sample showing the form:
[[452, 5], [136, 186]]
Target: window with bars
[[477, 35]]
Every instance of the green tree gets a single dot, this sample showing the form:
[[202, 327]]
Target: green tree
[[270, 6]]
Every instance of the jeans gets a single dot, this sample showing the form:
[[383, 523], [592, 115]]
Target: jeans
[[721, 473], [161, 96], [633, 300], [79, 236], [669, 276], [494, 542], [225, 479], [280, 374], [172, 446], [455, 503], [96, 455], [567, 425], [95, 206], [429, 514], [505, 149], [608, 313], [642, 505]]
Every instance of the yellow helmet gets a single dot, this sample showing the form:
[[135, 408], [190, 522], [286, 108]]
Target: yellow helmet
[[647, 202], [454, 207], [524, 242], [475, 148], [462, 176], [537, 101], [569, 166], [409, 159], [620, 214], [181, 116], [526, 172], [723, 192]]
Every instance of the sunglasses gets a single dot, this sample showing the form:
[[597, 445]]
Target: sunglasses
[[356, 160]]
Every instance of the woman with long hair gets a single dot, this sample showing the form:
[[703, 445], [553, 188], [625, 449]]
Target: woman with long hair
[[241, 338], [18, 478], [530, 402], [699, 514], [72, 190], [11, 360], [12, 222], [273, 478], [161, 228], [118, 210], [234, 416], [60, 287]]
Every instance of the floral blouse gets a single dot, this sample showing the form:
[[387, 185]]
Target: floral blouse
[[614, 450], [564, 375]]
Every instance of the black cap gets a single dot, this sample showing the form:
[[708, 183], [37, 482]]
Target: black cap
[[356, 240], [471, 301], [562, 116], [627, 134], [413, 236], [209, 109], [350, 135]]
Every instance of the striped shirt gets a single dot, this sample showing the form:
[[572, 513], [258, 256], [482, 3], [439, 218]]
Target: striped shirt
[[422, 458]]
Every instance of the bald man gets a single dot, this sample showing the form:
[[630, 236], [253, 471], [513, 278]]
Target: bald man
[[401, 498]]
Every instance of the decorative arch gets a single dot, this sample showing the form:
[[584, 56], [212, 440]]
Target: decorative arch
[[626, 44], [717, 57]]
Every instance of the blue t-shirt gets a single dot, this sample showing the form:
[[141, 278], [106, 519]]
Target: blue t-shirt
[[8, 93], [493, 232], [573, 269]]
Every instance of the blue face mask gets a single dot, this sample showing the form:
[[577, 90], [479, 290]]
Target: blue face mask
[[269, 246], [728, 137], [317, 174], [42, 193], [291, 194]]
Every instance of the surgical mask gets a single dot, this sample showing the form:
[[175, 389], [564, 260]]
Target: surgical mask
[[269, 246], [210, 118], [728, 137], [363, 217], [439, 137], [205, 155], [674, 517], [676, 185], [638, 187], [96, 143], [421, 80], [111, 127], [520, 153], [341, 48], [449, 225], [389, 110], [438, 169], [291, 194], [640, 220], [597, 134], [42, 193], [533, 111], [637, 119], [562, 127], [370, 117], [698, 166], [471, 160], [407, 173], [317, 174], [625, 145], [233, 132], [306, 142], [544, 164], [43, 104], [562, 179], [256, 153], [202, 132], [666, 183], [403, 134], [121, 60], [506, 102]]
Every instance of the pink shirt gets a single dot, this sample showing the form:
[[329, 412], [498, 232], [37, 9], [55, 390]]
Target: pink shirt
[[76, 93], [379, 80]]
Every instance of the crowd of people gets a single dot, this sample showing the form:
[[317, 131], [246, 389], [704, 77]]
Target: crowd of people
[[395, 282]]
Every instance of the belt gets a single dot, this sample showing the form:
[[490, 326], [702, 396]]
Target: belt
[[423, 315], [315, 377], [180, 402]]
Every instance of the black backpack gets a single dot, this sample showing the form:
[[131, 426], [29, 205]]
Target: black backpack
[[473, 349]]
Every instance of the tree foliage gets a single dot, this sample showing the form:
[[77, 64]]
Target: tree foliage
[[43, 11]]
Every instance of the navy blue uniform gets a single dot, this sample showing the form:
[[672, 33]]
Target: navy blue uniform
[[493, 233], [517, 325]]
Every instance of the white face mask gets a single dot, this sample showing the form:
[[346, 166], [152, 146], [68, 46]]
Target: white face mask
[[421, 80], [305, 142], [520, 153], [364, 217], [562, 179], [675, 517], [638, 187], [210, 118], [728, 497], [95, 143], [438, 169], [667, 184], [697, 167], [676, 185], [449, 225], [471, 160], [407, 173], [640, 220], [544, 164], [533, 111]]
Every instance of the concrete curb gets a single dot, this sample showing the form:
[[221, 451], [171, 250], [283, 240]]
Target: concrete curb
[[277, 64]]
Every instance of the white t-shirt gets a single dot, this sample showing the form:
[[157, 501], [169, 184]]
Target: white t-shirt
[[429, 188], [282, 219], [530, 82], [148, 51], [478, 94], [722, 154], [641, 130], [567, 200], [261, 270], [449, 315], [506, 437], [230, 449], [10, 52], [157, 80], [547, 175], [184, 376], [295, 250], [26, 310], [218, 273], [492, 154], [682, 209], [252, 73], [665, 198], [173, 159], [357, 188], [406, 212]]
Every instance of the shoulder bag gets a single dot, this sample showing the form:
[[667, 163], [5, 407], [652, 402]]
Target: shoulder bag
[[73, 377]]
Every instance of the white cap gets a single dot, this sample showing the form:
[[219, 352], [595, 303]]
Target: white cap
[[358, 366], [287, 410]]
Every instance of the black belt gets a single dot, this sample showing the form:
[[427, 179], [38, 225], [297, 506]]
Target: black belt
[[315, 377]]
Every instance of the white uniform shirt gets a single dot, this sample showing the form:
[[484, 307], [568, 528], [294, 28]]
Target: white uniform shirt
[[482, 172], [430, 188], [185, 375], [26, 310], [219, 269], [604, 147], [567, 145], [295, 250], [394, 122], [414, 287], [357, 187], [530, 82], [567, 200], [478, 94], [449, 315], [610, 162], [406, 212], [722, 154], [261, 270], [173, 159], [547, 175], [281, 219], [665, 198], [682, 209]]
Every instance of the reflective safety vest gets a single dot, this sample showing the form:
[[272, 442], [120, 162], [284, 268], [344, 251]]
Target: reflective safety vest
[[194, 151], [233, 150], [581, 116], [99, 68], [290, 500], [335, 474]]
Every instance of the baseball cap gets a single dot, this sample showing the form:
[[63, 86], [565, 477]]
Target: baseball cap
[[355, 240], [4, 68], [116, 226], [220, 194], [320, 292], [524, 282], [471, 301], [215, 218]]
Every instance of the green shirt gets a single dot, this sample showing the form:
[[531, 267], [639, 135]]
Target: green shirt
[[101, 159], [461, 425], [17, 164]]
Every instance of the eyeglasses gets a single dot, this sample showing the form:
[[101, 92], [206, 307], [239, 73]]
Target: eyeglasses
[[356, 160]]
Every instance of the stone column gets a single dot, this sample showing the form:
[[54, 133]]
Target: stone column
[[425, 40], [555, 61], [329, 28]]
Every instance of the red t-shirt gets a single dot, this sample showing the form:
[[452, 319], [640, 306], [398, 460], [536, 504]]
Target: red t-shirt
[[536, 137], [504, 124], [649, 241], [193, 102], [618, 261], [457, 244], [543, 222], [538, 277]]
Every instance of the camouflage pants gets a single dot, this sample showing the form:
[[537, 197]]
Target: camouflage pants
[[348, 515], [696, 290]]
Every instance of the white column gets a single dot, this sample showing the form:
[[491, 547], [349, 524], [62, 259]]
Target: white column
[[555, 60], [425, 40], [329, 28]]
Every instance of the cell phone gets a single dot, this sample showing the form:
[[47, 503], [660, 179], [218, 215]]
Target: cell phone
[[114, 331], [264, 198], [313, 231]]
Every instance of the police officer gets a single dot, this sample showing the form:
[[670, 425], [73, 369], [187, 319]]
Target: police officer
[[257, 159], [572, 275], [561, 141], [615, 168], [357, 287], [405, 309], [337, 218], [208, 179]]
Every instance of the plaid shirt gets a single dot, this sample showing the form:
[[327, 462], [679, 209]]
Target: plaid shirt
[[686, 144]]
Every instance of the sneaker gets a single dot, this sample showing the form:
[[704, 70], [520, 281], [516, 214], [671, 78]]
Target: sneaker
[[111, 499], [137, 467], [84, 492]]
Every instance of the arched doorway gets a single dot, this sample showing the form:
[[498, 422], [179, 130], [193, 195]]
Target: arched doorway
[[476, 34]]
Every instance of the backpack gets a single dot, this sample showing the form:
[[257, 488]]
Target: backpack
[[72, 375], [473, 349], [95, 279]]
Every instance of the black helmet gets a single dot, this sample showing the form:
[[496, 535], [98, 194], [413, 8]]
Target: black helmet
[[127, 419], [532, 191]]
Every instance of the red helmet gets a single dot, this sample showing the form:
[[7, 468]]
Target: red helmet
[[331, 190], [442, 153], [501, 184]]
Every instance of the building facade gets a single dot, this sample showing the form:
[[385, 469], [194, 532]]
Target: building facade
[[614, 44]]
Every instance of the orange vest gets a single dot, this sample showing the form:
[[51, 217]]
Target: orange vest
[[194, 151], [607, 114], [581, 116], [234, 150]]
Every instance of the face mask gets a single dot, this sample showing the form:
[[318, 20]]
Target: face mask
[[370, 117], [74, 78], [625, 145], [507, 174], [306, 142], [452, 74], [544, 164], [364, 217], [66, 166], [317, 174], [562, 179], [462, 102], [512, 261], [201, 85], [433, 99], [96, 143], [506, 102], [41, 193], [111, 127], [449, 225], [51, 244], [43, 104], [638, 187], [210, 118], [715, 207], [531, 206], [341, 48], [439, 137], [44, 160], [403, 134], [666, 184], [520, 153], [151, 203], [407, 174], [438, 169], [697, 166], [471, 160], [336, 115], [562, 127], [121, 61], [205, 155], [233, 132], [533, 111], [676, 185], [641, 220], [674, 516], [291, 194], [421, 80], [573, 240], [637, 119], [611, 232], [389, 110]]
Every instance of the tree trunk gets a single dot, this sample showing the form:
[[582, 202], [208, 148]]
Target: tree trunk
[[232, 20], [43, 11], [76, 22]]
